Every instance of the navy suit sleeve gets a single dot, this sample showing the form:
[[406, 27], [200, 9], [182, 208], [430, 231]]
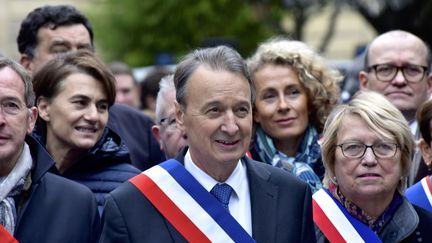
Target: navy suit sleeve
[[307, 224], [114, 227]]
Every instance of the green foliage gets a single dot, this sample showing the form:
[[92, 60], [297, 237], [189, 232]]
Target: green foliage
[[134, 31]]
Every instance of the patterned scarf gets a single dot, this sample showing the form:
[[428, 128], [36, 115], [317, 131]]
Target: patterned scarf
[[301, 165], [12, 185], [375, 224]]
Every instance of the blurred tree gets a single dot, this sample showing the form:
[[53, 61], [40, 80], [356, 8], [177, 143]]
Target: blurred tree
[[135, 31], [414, 16]]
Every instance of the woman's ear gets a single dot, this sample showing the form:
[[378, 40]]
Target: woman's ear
[[43, 107], [426, 152]]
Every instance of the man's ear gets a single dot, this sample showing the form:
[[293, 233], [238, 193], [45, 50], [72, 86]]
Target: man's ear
[[429, 83], [363, 79], [33, 114], [179, 114], [26, 62], [426, 152], [156, 134]]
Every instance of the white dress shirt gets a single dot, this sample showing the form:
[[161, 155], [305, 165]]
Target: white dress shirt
[[239, 204]]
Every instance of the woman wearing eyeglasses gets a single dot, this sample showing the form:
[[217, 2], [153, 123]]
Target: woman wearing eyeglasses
[[420, 194], [295, 91], [366, 151]]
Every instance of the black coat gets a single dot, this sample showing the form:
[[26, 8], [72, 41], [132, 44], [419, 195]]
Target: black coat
[[54, 209]]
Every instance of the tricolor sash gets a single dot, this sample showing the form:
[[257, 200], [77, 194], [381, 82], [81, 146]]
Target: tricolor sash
[[336, 223], [6, 237], [196, 214], [420, 194]]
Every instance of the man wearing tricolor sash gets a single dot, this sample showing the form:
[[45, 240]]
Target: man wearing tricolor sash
[[367, 147], [211, 192], [35, 205], [420, 194]]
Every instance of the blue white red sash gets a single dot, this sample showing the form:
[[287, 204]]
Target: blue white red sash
[[336, 223], [6, 237], [420, 194], [188, 206]]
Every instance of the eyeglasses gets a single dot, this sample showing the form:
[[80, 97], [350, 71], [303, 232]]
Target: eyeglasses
[[357, 150], [168, 122], [387, 72], [11, 107]]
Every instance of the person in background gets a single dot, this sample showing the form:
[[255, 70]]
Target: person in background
[[127, 88], [420, 194], [149, 90], [73, 95], [171, 139], [212, 193], [295, 93], [35, 205], [397, 65], [367, 149], [49, 31]]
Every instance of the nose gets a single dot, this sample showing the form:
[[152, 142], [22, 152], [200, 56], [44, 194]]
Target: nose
[[369, 159], [283, 104], [2, 117], [229, 125], [120, 98], [399, 79], [91, 113]]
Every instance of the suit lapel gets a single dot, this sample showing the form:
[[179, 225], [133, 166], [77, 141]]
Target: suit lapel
[[264, 197]]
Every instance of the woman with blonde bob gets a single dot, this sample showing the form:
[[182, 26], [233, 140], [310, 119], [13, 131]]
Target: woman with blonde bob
[[366, 151], [295, 91]]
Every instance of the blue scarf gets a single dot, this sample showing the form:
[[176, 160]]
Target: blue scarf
[[301, 165]]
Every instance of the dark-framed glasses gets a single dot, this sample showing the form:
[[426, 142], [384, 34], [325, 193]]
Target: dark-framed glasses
[[387, 72], [168, 122], [357, 150]]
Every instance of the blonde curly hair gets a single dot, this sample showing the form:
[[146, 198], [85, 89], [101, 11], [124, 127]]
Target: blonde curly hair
[[320, 81]]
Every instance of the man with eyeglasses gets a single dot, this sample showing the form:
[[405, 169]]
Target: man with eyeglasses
[[171, 139], [397, 65]]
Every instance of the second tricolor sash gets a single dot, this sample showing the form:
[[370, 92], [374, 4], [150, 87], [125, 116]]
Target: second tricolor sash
[[420, 194], [336, 223], [187, 205]]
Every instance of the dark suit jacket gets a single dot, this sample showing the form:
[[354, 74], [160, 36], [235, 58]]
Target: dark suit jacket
[[134, 128], [54, 209], [280, 203]]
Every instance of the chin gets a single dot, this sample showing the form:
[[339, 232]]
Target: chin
[[86, 145]]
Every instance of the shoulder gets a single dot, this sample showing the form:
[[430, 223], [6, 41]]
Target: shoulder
[[422, 232], [122, 113], [52, 183], [273, 174], [121, 171]]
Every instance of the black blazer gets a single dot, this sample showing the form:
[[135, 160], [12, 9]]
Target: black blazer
[[54, 209], [280, 204]]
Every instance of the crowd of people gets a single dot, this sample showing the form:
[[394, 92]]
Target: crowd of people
[[228, 149]]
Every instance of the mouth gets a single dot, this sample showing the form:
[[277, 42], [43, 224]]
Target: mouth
[[398, 93], [227, 142], [285, 121], [369, 175], [86, 129]]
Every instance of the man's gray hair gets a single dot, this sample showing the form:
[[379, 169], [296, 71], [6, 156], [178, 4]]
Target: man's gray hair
[[221, 58], [29, 94], [166, 85]]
